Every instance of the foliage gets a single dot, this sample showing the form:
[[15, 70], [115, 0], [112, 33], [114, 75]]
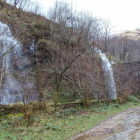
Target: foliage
[[61, 124], [132, 98]]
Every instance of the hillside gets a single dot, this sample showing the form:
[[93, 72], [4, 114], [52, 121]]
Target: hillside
[[126, 46], [24, 25], [58, 57], [55, 81], [130, 34]]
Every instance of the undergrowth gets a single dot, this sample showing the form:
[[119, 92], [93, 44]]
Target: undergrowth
[[60, 124]]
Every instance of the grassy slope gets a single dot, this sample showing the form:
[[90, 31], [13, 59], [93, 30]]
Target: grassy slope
[[60, 125], [25, 26]]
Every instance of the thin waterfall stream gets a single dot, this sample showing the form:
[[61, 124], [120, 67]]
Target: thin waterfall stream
[[15, 81], [108, 73]]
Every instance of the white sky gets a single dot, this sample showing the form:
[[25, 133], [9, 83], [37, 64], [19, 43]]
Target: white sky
[[124, 14]]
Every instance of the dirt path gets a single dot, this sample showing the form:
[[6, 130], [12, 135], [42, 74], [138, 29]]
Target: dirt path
[[123, 126]]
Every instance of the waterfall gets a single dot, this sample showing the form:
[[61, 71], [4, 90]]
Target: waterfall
[[108, 73], [15, 81]]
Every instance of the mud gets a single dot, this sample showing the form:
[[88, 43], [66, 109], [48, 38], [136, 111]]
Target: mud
[[123, 126]]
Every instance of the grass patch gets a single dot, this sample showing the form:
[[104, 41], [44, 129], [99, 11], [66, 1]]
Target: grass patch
[[59, 125]]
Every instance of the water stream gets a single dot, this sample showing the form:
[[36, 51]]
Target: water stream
[[15, 82], [108, 73]]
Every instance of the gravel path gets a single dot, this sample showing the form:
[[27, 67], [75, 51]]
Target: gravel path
[[123, 126]]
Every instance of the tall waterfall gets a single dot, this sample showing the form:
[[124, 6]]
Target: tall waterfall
[[15, 83], [108, 72]]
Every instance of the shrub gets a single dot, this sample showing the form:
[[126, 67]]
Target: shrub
[[132, 98]]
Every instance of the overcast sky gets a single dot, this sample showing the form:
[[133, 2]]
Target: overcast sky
[[124, 14]]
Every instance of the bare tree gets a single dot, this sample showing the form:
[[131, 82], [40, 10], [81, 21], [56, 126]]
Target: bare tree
[[77, 28], [106, 30], [71, 34], [59, 64], [126, 46], [27, 5], [87, 78]]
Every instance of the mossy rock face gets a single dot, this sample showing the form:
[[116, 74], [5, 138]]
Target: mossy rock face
[[7, 109], [37, 106], [19, 107]]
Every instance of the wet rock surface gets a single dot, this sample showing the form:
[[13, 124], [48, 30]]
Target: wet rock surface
[[123, 126]]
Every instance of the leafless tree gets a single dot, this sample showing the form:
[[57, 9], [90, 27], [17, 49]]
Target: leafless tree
[[127, 78], [125, 47], [71, 34], [27, 5], [86, 78], [77, 28], [106, 33], [59, 63]]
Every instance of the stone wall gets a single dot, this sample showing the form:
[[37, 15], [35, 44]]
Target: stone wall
[[127, 78]]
